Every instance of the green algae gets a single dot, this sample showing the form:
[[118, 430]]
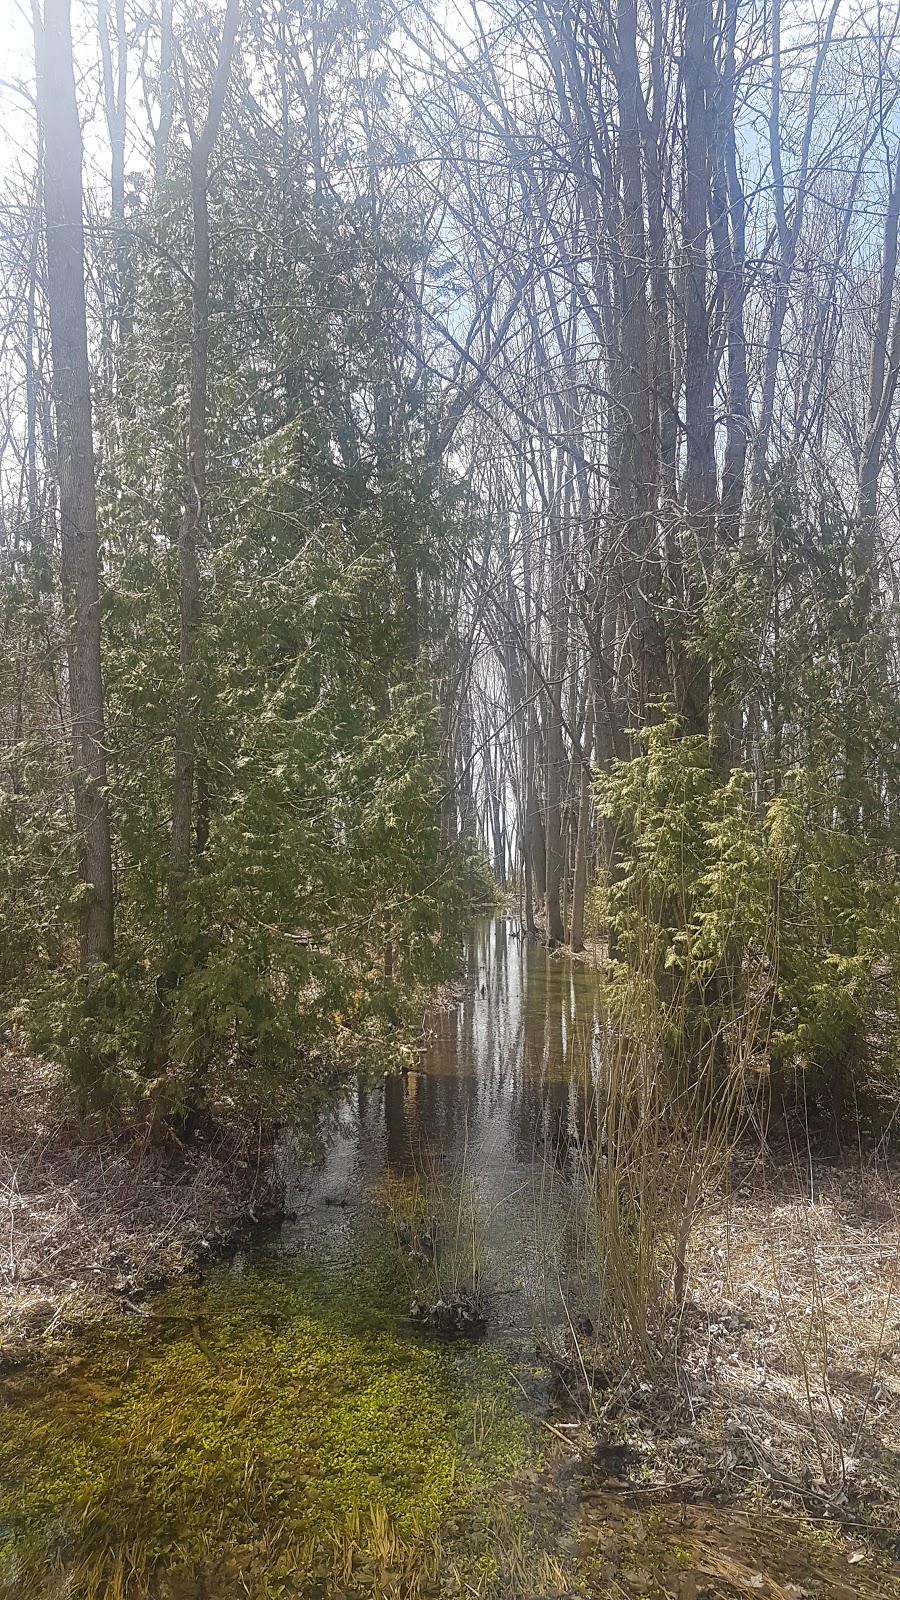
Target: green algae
[[279, 1428], [262, 1421]]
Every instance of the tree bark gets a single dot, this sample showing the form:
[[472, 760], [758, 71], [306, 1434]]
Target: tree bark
[[115, 85], [579, 876], [63, 213], [194, 506], [555, 753], [634, 474], [166, 95]]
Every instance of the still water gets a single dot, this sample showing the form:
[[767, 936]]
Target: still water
[[483, 1125], [280, 1426]]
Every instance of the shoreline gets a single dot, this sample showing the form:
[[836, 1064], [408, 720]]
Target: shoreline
[[787, 1396], [92, 1220]]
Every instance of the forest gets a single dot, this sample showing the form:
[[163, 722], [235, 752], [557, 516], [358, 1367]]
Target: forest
[[449, 799]]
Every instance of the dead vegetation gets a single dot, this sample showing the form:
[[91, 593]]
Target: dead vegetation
[[89, 1217], [792, 1342], [677, 1551], [781, 1381]]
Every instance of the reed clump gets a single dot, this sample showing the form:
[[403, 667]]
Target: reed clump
[[648, 1157], [438, 1223]]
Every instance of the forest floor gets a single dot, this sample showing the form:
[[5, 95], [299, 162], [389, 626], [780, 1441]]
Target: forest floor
[[796, 1328], [784, 1390], [785, 1384], [89, 1218]]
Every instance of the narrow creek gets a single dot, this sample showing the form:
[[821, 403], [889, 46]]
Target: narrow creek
[[280, 1426], [471, 1142]]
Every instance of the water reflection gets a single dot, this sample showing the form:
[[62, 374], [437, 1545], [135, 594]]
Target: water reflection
[[290, 1382], [494, 1100]]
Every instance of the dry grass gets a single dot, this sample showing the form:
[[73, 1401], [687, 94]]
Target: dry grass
[[771, 1374], [671, 1551], [655, 1144], [792, 1346], [438, 1220], [87, 1218]]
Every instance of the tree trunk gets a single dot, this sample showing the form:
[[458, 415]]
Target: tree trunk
[[579, 876], [192, 516], [115, 87], [634, 479], [700, 472], [194, 507], [555, 754], [498, 828], [63, 212], [166, 95]]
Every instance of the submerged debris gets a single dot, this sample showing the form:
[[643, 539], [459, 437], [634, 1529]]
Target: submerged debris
[[458, 1317]]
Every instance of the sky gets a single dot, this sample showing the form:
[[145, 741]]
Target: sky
[[16, 68], [17, 89]]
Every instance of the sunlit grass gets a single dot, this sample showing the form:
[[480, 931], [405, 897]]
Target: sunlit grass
[[270, 1434]]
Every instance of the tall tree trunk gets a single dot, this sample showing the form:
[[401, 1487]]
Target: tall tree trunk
[[194, 507], [727, 212], [115, 85], [166, 95], [115, 79], [789, 227], [63, 212], [699, 481], [582, 838], [700, 472], [634, 485], [884, 374], [498, 828], [728, 227], [555, 754], [884, 370]]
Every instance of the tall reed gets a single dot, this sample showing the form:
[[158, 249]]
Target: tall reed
[[651, 1147]]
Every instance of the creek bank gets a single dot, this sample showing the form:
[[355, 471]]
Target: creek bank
[[310, 1322], [669, 1549], [779, 1386], [90, 1219]]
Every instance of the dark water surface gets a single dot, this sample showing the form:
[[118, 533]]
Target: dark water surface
[[482, 1124]]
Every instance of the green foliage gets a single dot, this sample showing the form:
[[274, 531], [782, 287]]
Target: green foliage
[[315, 715], [729, 913]]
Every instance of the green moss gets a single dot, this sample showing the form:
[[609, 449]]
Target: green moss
[[271, 1406]]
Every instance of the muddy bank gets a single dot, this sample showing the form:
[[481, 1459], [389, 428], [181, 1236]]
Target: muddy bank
[[593, 953], [91, 1219]]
